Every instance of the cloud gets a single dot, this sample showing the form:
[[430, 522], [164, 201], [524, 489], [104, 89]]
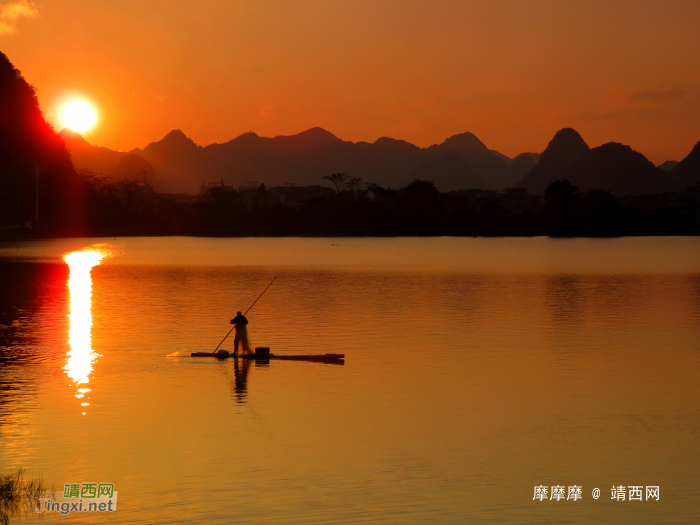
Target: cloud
[[10, 13], [658, 95], [620, 104]]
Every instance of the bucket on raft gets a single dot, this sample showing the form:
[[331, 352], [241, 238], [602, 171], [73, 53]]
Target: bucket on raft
[[262, 352]]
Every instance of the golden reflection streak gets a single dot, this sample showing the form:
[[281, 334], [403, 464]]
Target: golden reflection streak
[[81, 356]]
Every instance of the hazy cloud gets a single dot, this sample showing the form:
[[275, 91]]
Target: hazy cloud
[[10, 13], [618, 104], [658, 95]]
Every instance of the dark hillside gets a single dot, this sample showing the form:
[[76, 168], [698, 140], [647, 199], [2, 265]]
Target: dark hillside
[[28, 142]]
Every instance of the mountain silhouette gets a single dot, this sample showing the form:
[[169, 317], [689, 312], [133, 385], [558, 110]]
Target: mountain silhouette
[[687, 172], [668, 165], [522, 165], [177, 164], [88, 157], [306, 157], [28, 143], [565, 148], [620, 170], [309, 140], [134, 167], [556, 162], [117, 165], [613, 166], [491, 168], [500, 155], [449, 171]]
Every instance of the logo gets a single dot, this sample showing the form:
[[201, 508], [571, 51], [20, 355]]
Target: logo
[[81, 497]]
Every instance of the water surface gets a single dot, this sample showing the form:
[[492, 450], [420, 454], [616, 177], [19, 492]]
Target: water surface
[[475, 370]]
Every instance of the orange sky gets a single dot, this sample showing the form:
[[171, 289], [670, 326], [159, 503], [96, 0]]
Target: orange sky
[[512, 72]]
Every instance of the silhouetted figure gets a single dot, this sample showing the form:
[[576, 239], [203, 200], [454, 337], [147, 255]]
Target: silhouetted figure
[[241, 334]]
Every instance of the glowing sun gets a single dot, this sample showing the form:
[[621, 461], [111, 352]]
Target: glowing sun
[[78, 116]]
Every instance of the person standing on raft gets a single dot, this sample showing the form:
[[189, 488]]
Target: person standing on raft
[[241, 334]]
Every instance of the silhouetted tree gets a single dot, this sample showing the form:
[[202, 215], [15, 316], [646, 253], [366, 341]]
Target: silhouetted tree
[[600, 213], [220, 212], [343, 182], [422, 208], [562, 200], [119, 207], [337, 180], [421, 195]]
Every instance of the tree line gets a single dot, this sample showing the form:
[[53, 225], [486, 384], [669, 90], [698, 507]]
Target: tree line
[[353, 208]]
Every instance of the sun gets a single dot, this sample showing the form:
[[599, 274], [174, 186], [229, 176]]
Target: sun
[[78, 116]]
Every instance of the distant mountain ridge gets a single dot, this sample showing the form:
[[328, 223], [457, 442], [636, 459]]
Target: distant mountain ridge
[[613, 166], [687, 172], [104, 161], [177, 164], [181, 165], [668, 165]]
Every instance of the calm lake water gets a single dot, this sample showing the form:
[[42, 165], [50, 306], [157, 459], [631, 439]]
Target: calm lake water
[[475, 369]]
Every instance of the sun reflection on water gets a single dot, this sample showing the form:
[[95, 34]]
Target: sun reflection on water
[[81, 356]]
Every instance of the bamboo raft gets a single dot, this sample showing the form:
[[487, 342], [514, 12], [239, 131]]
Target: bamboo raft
[[263, 354]]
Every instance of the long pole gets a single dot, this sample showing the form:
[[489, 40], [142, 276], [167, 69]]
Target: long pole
[[248, 310]]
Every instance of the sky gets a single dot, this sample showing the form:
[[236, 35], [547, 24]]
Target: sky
[[512, 72]]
